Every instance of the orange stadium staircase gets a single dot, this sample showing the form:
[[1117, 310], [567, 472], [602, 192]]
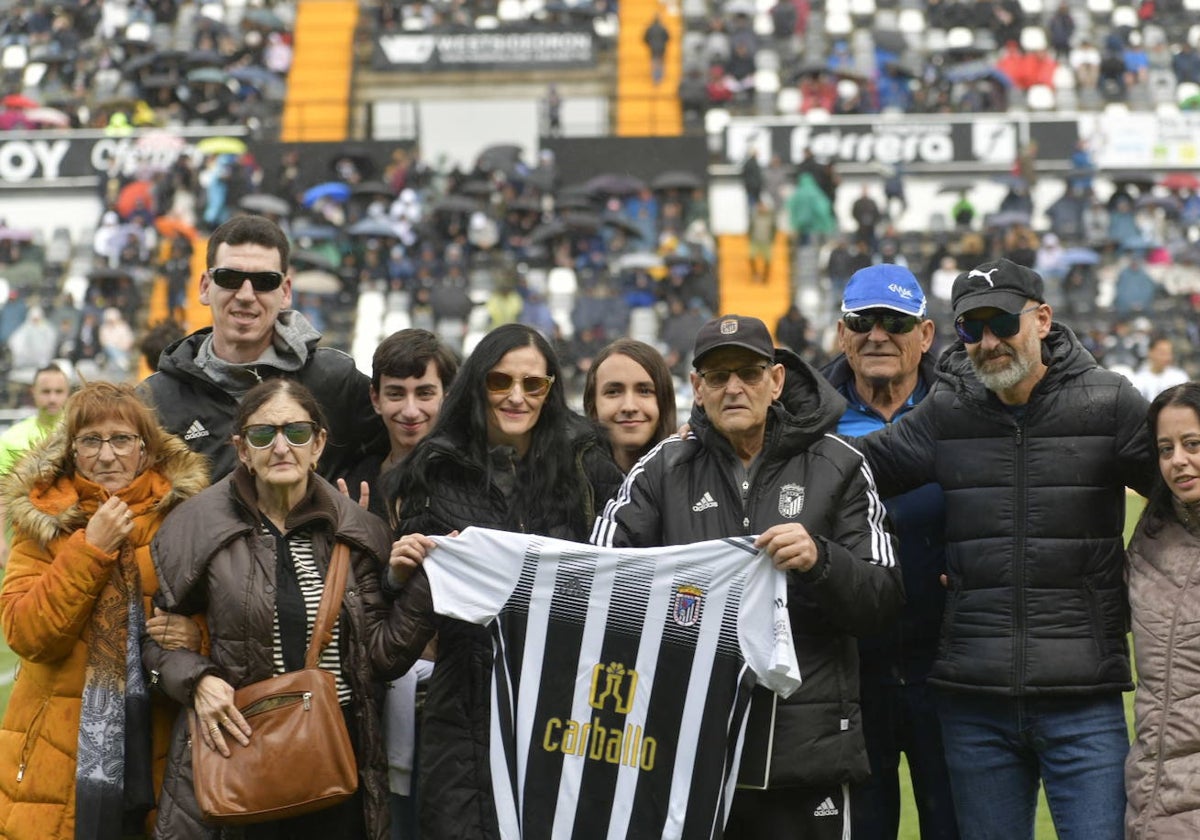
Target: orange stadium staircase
[[317, 108], [195, 314], [739, 294], [645, 109]]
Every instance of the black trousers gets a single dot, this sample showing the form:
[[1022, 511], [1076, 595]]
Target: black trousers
[[790, 814]]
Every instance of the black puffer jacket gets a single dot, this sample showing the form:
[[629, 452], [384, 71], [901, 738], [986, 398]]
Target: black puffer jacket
[[200, 411], [455, 770], [211, 558], [1035, 508], [685, 491]]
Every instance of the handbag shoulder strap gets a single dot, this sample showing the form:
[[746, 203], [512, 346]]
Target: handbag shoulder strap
[[330, 606]]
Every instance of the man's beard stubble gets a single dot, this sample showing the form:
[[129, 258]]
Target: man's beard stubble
[[1004, 378]]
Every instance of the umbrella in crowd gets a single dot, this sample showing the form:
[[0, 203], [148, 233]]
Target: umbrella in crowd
[[372, 188], [643, 260], [48, 117], [955, 187], [525, 204], [316, 281], [500, 157], [621, 223], [329, 190], [615, 184], [1009, 217], [1080, 256], [475, 188], [264, 19], [221, 146], [456, 204], [1165, 202], [18, 100], [313, 259], [207, 75], [265, 203], [8, 234], [549, 231], [316, 233], [372, 227], [1181, 181], [132, 195], [676, 179]]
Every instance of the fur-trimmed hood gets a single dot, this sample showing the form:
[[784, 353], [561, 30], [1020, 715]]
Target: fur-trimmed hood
[[45, 498]]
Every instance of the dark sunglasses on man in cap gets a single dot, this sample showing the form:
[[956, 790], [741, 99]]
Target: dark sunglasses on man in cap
[[892, 322], [1002, 325], [233, 278]]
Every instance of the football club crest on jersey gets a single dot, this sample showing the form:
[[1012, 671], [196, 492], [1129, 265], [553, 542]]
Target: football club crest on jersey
[[791, 500], [688, 601]]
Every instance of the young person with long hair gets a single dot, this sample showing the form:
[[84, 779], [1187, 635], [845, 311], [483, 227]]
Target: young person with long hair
[[628, 391], [507, 453], [1163, 558]]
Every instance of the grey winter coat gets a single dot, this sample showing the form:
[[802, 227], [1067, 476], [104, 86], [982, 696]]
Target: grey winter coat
[[1164, 761]]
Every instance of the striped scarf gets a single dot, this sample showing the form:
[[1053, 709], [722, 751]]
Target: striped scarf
[[113, 785]]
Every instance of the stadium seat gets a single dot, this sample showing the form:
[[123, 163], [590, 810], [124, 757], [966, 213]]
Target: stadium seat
[[605, 26], [487, 22], [1040, 98], [1100, 8], [32, 77], [1033, 8], [886, 20], [934, 41], [764, 27], [139, 30], [959, 38], [1114, 110], [817, 115], [1064, 77], [1167, 110], [766, 82], [534, 8], [911, 21], [1191, 5], [414, 23], [789, 100], [839, 24], [510, 11], [1124, 16], [213, 11], [643, 324], [862, 8], [765, 59], [14, 57], [1185, 91], [1033, 39], [1193, 35], [985, 41], [715, 120]]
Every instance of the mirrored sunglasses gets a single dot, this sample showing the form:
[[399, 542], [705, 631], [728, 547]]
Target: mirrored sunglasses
[[1002, 325], [262, 435], [233, 278], [501, 383], [892, 322]]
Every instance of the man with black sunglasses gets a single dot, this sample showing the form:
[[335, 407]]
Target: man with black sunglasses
[[1033, 444], [255, 335], [884, 372], [761, 458]]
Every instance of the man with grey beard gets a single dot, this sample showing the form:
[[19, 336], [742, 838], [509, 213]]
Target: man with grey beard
[[1034, 445]]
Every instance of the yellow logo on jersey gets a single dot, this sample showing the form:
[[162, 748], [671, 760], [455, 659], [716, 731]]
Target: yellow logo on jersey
[[612, 685]]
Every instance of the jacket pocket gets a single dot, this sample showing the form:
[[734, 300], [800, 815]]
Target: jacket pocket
[[32, 734], [953, 592]]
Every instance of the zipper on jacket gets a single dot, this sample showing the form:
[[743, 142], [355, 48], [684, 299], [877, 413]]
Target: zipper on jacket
[[31, 735], [1021, 509]]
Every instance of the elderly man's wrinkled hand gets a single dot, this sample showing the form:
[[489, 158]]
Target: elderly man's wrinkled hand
[[789, 546]]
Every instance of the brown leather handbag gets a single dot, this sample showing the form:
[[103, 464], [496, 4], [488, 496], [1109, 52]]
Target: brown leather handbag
[[300, 758]]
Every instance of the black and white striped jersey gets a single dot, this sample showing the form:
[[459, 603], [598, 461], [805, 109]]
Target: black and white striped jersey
[[621, 677]]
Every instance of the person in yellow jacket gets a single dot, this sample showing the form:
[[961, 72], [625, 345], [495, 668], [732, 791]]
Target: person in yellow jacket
[[83, 741]]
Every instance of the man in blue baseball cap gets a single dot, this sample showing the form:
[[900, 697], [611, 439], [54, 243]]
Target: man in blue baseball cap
[[885, 369]]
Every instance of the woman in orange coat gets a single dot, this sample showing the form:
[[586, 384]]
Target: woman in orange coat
[[84, 739]]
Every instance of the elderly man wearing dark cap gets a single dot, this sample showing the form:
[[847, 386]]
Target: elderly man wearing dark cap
[[1033, 444], [884, 372], [760, 458]]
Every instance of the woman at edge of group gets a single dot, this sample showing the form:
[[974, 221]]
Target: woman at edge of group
[[251, 553], [85, 505], [1163, 800], [506, 453], [628, 391]]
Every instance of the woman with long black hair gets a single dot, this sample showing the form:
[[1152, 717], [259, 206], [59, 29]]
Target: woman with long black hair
[[506, 453]]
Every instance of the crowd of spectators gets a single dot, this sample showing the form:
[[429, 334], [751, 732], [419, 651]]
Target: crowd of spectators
[[936, 56]]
